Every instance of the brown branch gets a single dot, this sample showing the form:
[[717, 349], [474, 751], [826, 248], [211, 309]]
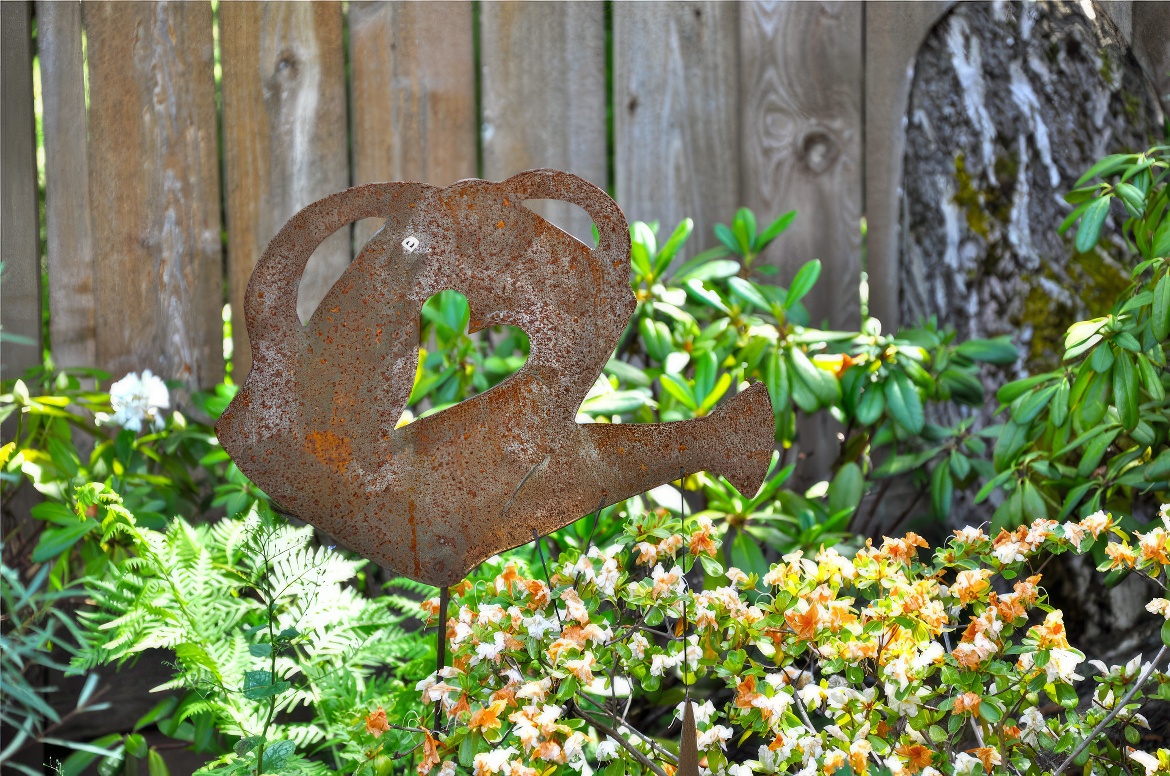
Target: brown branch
[[620, 739]]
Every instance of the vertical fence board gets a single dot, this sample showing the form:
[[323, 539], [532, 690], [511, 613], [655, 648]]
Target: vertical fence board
[[800, 70], [154, 187], [69, 235], [801, 80], [20, 288], [894, 31], [543, 86], [676, 112], [284, 131], [413, 94]]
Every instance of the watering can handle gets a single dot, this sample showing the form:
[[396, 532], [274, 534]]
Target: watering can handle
[[270, 305], [613, 246]]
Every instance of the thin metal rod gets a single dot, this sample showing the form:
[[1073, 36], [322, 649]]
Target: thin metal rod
[[441, 661], [547, 578]]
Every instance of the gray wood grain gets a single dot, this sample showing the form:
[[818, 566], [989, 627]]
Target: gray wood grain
[[284, 120], [894, 31], [69, 234], [800, 75], [801, 81], [20, 289], [543, 86], [676, 114], [413, 94], [154, 188]]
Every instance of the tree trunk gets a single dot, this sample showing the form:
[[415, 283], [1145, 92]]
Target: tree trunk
[[1010, 104]]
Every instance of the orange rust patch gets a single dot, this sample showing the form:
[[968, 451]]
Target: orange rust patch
[[330, 449], [500, 225]]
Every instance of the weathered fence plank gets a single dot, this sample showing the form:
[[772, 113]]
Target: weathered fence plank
[[894, 31], [69, 234], [154, 187], [676, 113], [543, 86], [20, 288], [413, 94], [284, 132], [800, 72]]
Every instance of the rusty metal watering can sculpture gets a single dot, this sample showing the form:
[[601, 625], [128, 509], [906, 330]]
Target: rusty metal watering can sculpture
[[314, 425]]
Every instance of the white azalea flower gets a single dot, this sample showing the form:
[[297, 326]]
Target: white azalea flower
[[137, 399]]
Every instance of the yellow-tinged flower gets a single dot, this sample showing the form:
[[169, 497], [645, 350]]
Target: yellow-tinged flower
[[1154, 546], [507, 578], [1120, 556], [970, 584], [582, 669], [917, 756], [487, 718], [1051, 633]]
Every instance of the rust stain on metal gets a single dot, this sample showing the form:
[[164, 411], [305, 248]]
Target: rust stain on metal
[[314, 423]]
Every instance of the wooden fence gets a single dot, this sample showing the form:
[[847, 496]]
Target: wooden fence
[[711, 105]]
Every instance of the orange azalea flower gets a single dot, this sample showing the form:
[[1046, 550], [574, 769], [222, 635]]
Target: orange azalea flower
[[777, 742], [461, 706], [538, 593], [430, 606], [507, 578], [804, 624], [917, 756], [968, 702], [487, 718], [376, 722], [460, 589], [506, 695], [700, 542], [430, 756], [1012, 732], [1051, 633], [1120, 555], [858, 756], [1154, 546], [987, 755], [745, 693], [970, 584]]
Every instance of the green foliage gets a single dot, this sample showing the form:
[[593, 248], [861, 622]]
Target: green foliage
[[262, 621], [1093, 433]]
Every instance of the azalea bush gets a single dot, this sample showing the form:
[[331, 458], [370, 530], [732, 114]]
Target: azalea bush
[[1095, 433], [898, 660]]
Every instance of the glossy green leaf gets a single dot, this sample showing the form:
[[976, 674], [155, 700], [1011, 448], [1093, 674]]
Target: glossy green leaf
[[1125, 390], [1160, 312], [1089, 230], [904, 402], [806, 277]]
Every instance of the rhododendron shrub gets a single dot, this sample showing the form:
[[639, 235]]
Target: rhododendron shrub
[[899, 660]]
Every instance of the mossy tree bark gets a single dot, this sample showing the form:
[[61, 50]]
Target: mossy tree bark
[[1010, 104]]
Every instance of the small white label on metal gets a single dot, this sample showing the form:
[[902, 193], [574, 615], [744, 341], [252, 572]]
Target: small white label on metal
[[410, 243]]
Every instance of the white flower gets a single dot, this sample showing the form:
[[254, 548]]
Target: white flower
[[493, 762], [776, 705], [965, 764], [462, 631], [1146, 760], [136, 399], [812, 695], [638, 646], [490, 650], [607, 749], [739, 769], [491, 613], [703, 713], [537, 626], [447, 768], [718, 734], [1159, 606], [659, 663]]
